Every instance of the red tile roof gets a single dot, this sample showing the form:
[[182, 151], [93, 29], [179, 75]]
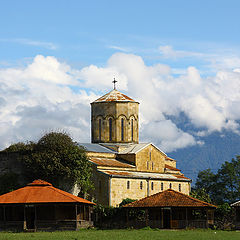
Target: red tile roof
[[109, 162], [171, 168], [40, 191], [114, 96], [169, 198]]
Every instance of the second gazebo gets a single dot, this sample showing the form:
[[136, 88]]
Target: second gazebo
[[170, 209]]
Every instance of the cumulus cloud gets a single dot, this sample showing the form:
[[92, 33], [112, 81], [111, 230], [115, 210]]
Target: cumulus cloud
[[49, 95]]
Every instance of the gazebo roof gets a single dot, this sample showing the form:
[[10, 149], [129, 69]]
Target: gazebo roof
[[40, 191], [169, 198]]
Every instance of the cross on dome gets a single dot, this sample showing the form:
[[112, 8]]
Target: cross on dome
[[114, 83]]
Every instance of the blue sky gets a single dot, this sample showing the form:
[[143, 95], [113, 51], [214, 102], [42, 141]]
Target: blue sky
[[175, 56], [89, 32]]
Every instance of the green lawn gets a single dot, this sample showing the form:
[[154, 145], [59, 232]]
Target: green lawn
[[125, 235]]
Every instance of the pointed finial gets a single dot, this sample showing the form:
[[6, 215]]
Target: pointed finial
[[114, 83]]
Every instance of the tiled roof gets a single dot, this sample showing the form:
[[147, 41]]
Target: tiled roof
[[40, 191], [169, 198], [114, 96], [145, 175], [171, 168], [109, 162]]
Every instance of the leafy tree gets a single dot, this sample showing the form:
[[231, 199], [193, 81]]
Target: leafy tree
[[57, 159], [224, 186], [126, 201], [8, 182], [201, 194]]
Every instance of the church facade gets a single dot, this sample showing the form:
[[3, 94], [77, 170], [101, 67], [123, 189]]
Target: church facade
[[123, 167]]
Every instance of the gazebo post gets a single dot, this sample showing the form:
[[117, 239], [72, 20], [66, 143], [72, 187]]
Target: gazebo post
[[162, 217], [4, 216], [76, 226], [186, 220], [146, 217], [24, 218], [127, 220], [35, 218]]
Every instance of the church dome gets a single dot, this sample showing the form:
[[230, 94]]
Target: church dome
[[114, 119], [114, 96]]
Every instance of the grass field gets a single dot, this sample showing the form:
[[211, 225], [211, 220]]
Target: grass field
[[125, 235]]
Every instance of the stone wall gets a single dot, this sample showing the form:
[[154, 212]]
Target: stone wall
[[103, 111], [120, 190]]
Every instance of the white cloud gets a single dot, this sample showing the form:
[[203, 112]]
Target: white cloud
[[167, 51], [48, 95], [25, 41]]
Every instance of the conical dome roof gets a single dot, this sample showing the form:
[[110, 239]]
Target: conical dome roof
[[114, 96]]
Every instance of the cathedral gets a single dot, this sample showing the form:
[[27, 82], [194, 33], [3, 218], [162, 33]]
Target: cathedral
[[123, 167]]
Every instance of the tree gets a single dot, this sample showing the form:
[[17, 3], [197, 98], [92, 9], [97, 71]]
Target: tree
[[224, 186], [201, 194], [57, 159]]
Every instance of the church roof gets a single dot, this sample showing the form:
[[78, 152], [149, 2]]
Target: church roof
[[169, 198], [94, 147], [109, 162], [145, 175], [114, 96], [40, 191]]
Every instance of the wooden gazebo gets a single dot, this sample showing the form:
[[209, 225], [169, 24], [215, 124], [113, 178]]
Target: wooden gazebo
[[170, 209], [236, 207], [40, 206]]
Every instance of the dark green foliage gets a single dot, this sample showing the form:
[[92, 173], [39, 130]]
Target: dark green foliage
[[57, 159], [126, 201], [8, 182], [201, 194], [19, 147], [224, 186]]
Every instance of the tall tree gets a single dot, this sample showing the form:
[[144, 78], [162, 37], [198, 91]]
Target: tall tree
[[224, 186]]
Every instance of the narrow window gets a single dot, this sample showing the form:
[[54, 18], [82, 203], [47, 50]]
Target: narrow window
[[150, 156], [179, 187], [110, 129], [122, 129], [161, 186], [128, 184], [141, 185], [170, 186], [152, 186], [147, 165], [152, 165], [100, 128], [132, 129]]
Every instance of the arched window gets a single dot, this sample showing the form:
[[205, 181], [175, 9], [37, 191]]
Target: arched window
[[132, 128], [122, 129], [161, 186], [100, 128], [110, 129], [170, 186], [141, 185], [152, 185]]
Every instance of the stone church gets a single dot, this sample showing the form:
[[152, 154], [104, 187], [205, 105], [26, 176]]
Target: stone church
[[123, 167]]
